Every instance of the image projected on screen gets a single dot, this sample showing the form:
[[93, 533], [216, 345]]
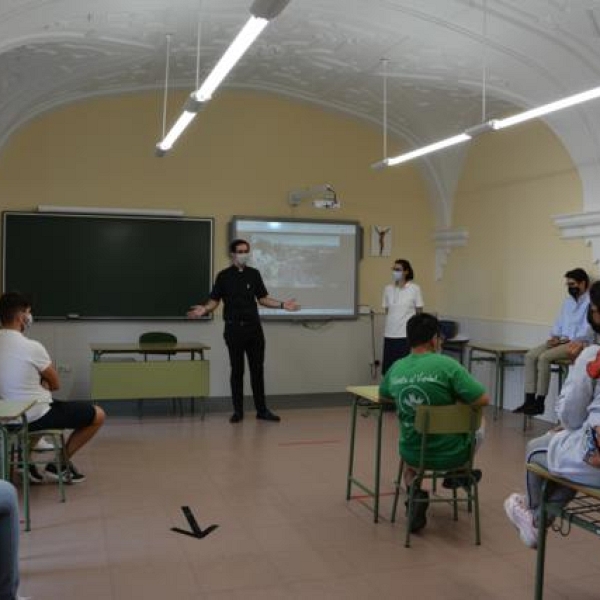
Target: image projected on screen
[[314, 262]]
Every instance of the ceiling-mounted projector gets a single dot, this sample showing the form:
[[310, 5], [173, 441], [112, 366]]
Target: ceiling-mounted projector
[[321, 196]]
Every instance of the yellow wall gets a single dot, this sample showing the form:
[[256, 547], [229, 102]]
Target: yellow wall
[[512, 269], [246, 151], [242, 155]]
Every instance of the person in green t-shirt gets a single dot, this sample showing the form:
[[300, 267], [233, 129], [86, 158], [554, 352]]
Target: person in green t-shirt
[[433, 379]]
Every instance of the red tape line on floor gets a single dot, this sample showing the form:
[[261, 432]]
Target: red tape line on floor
[[363, 497]]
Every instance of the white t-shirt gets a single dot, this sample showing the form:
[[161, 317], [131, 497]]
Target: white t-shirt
[[401, 303], [21, 362]]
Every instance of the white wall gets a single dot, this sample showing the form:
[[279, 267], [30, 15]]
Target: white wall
[[510, 333]]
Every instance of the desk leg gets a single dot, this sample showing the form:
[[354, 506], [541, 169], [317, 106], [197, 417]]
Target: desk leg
[[497, 363], [378, 462], [25, 448], [352, 440], [5, 461], [469, 359], [541, 549], [501, 384]]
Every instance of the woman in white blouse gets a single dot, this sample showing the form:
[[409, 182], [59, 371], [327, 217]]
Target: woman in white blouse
[[401, 300]]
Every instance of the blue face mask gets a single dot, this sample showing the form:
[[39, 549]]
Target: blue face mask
[[397, 275]]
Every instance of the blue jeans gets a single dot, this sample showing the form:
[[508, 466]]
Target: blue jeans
[[537, 453], [9, 542]]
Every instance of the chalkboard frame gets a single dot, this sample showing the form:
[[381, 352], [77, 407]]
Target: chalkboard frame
[[26, 265]]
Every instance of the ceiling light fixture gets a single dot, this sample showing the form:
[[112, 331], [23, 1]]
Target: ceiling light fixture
[[262, 12], [402, 158], [546, 109], [494, 124], [485, 125]]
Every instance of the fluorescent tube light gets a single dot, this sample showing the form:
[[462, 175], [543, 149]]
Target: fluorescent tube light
[[402, 158], [546, 109], [494, 124], [262, 12], [251, 30], [184, 120]]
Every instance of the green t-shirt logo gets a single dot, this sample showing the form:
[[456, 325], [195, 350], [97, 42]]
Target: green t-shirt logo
[[412, 396]]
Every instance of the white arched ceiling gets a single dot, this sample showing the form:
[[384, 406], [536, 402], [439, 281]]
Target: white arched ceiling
[[327, 52]]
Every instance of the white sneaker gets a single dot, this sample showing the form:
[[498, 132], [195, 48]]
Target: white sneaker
[[42, 444], [522, 518]]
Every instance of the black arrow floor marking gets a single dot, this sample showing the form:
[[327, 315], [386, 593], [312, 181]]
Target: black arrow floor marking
[[196, 531]]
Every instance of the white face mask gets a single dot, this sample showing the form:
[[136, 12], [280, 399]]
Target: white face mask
[[397, 275], [28, 321], [243, 258]]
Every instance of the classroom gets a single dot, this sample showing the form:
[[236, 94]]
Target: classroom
[[329, 89]]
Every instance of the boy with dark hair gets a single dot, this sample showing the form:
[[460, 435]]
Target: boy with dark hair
[[26, 372], [429, 378]]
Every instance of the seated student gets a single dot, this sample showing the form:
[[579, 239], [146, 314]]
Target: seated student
[[26, 372], [568, 336], [427, 377], [571, 452]]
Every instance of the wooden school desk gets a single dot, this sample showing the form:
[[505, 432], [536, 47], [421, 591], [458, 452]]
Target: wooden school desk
[[137, 379], [12, 410], [368, 397], [500, 355]]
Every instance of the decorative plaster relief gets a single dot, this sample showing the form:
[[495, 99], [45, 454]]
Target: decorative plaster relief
[[585, 226], [445, 240]]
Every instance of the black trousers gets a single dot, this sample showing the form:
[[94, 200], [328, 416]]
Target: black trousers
[[393, 349], [246, 339]]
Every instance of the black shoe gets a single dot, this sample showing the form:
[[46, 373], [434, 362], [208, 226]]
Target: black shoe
[[69, 474], [34, 475], [456, 481], [419, 518], [527, 405], [236, 418], [537, 408], [267, 415]]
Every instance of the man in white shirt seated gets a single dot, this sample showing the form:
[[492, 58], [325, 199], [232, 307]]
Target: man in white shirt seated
[[26, 372], [569, 335]]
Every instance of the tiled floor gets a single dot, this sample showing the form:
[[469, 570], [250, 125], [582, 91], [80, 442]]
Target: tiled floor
[[277, 492]]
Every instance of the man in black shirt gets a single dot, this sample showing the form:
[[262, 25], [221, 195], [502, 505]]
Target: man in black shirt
[[240, 287]]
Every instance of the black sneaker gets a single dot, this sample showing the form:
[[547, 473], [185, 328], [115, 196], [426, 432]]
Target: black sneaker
[[267, 415], [455, 481], [537, 408], [34, 475], [236, 418], [419, 518], [69, 474], [527, 405]]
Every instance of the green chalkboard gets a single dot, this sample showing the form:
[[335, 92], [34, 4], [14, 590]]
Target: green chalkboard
[[76, 266]]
